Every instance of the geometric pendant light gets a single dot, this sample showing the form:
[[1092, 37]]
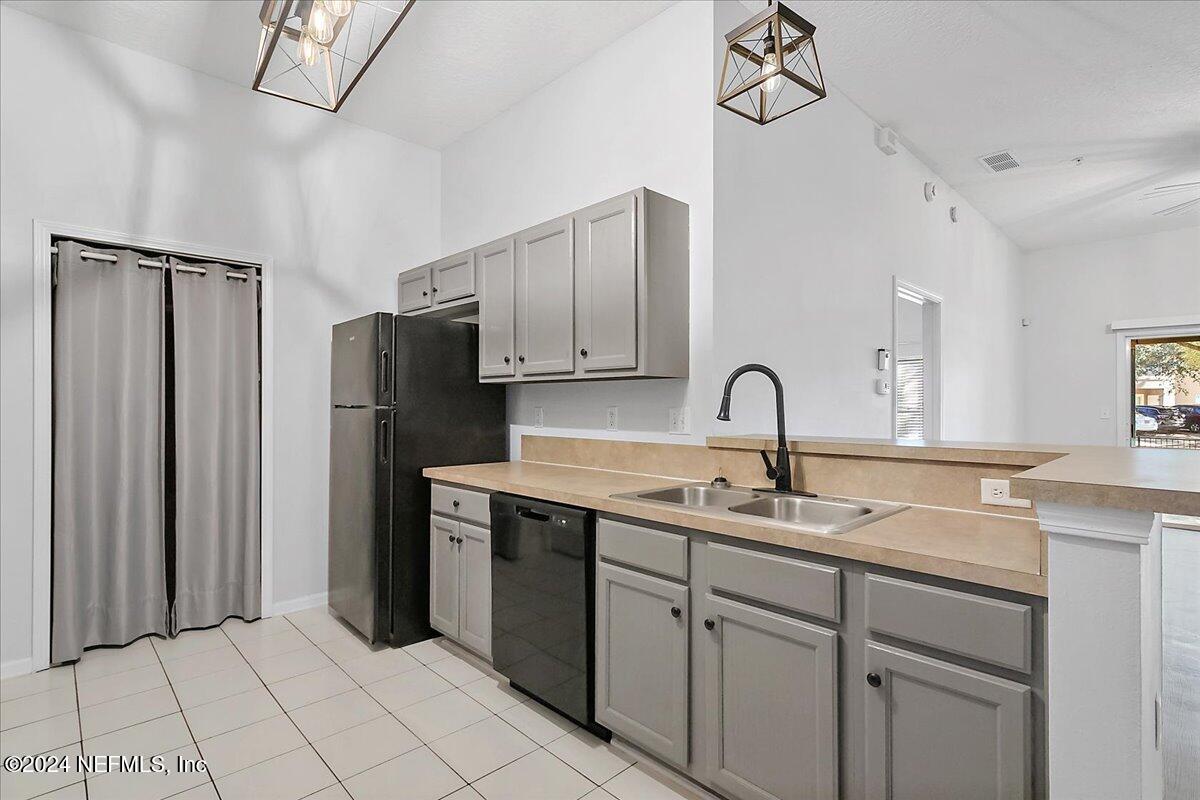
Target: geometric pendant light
[[316, 51], [771, 67]]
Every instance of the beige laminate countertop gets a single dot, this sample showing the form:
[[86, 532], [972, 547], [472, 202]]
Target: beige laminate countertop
[[1004, 552], [1135, 478]]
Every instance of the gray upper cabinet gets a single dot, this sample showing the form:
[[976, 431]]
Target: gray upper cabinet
[[642, 660], [545, 267], [606, 285], [453, 278], [935, 729], [497, 320], [415, 290], [770, 694], [444, 595]]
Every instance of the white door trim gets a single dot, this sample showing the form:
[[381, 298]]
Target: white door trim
[[43, 477], [933, 360], [1126, 331]]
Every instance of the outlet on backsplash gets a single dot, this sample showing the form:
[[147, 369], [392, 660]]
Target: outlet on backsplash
[[679, 420], [610, 422], [993, 492]]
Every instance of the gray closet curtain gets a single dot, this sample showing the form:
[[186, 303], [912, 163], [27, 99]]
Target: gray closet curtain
[[217, 569], [109, 576]]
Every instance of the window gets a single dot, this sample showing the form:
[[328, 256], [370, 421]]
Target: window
[[916, 379], [1165, 390], [910, 398]]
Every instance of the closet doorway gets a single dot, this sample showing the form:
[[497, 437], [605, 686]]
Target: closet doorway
[[46, 234]]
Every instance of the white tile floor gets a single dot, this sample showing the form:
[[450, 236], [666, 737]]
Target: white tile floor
[[301, 707]]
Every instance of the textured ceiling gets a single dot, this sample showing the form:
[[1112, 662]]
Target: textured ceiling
[[450, 67], [1117, 83]]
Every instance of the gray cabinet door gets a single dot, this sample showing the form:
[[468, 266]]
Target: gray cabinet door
[[453, 278], [475, 588], [497, 354], [606, 278], [938, 730], [771, 690], [443, 575], [414, 290], [545, 283], [642, 660]]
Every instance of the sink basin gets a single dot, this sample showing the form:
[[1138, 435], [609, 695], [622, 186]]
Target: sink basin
[[821, 514], [810, 512], [697, 496]]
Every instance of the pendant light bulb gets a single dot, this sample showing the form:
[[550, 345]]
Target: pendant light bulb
[[320, 24], [338, 8], [307, 49], [770, 64]]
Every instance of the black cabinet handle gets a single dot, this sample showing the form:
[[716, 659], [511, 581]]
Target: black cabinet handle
[[676, 612], [874, 680], [708, 623], [583, 352], [507, 359], [521, 359], [459, 540]]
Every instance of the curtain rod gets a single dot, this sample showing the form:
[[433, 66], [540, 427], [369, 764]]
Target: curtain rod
[[148, 264]]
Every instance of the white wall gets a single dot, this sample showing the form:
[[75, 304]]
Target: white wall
[[637, 113], [97, 135], [1072, 294], [812, 222]]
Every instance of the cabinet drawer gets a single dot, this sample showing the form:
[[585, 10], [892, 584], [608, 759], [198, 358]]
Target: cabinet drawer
[[463, 503], [785, 582], [656, 551], [995, 631]]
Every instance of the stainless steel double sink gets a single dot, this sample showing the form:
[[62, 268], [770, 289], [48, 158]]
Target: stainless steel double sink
[[821, 514]]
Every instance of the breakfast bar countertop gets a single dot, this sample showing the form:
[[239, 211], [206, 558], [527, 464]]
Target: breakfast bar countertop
[[992, 550]]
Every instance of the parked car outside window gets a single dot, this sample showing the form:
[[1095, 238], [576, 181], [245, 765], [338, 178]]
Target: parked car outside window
[[1145, 421]]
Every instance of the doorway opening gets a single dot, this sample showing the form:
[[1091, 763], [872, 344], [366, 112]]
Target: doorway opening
[[916, 371]]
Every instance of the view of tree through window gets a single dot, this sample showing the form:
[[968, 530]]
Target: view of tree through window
[[1166, 393]]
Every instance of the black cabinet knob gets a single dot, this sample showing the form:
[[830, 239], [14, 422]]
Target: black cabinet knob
[[456, 504], [676, 612], [424, 294], [435, 288], [874, 680], [451, 538], [583, 352], [459, 540], [708, 623], [507, 359], [521, 359]]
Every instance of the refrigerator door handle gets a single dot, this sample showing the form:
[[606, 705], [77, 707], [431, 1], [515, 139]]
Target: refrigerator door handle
[[384, 441], [384, 371]]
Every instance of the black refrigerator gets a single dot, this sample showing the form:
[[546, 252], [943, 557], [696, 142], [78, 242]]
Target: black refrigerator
[[405, 395]]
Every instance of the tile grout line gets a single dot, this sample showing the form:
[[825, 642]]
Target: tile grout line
[[79, 722], [186, 724]]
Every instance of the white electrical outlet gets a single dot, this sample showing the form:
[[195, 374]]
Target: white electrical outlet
[[610, 421], [993, 492], [680, 420], [1105, 413], [539, 417]]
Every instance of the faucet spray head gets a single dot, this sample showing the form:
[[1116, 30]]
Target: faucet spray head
[[723, 412]]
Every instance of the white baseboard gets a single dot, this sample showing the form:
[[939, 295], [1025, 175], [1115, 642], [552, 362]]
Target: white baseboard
[[300, 603], [18, 666]]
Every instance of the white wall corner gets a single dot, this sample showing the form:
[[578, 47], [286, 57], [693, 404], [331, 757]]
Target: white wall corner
[[299, 603], [18, 666]]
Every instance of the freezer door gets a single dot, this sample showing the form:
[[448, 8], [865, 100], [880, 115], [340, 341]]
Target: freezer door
[[360, 485], [361, 363]]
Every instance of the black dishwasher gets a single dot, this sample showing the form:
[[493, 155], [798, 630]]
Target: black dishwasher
[[543, 603]]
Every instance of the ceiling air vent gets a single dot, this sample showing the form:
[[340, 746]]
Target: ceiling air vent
[[999, 162]]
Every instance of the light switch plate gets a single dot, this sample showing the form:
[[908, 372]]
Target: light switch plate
[[680, 420], [539, 417], [993, 492], [610, 421]]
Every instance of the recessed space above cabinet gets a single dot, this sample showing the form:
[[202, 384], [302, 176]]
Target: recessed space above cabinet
[[598, 293]]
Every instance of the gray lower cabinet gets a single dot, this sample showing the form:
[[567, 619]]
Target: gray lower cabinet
[[460, 582], [642, 660], [545, 268], [938, 730], [770, 690], [443, 576]]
